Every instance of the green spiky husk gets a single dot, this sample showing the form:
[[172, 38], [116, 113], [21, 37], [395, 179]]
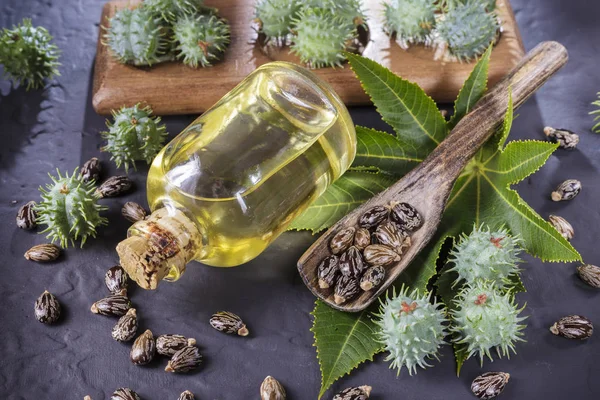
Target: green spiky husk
[[410, 20], [411, 336], [201, 40], [467, 30], [349, 10], [275, 17], [484, 324], [137, 37], [70, 209], [488, 256], [170, 10], [490, 5], [321, 38], [134, 135], [28, 55]]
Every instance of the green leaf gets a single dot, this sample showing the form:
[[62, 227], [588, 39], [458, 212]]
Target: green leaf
[[473, 89], [343, 196], [402, 104], [596, 114]]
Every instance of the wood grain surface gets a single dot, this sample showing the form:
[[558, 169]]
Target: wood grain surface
[[428, 186], [173, 88]]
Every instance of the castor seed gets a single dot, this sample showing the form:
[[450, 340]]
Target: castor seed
[[565, 138], [562, 226], [352, 263], [271, 389], [125, 394], [406, 216], [379, 254], [567, 190], [91, 170], [47, 308], [355, 393], [489, 385], [126, 327], [187, 395], [43, 252], [342, 240], [373, 217], [346, 289], [228, 322], [362, 238], [590, 274], [115, 305], [328, 271], [114, 186], [133, 212], [573, 327], [390, 235], [116, 279], [87, 398], [143, 349], [372, 278], [27, 216], [185, 360], [168, 345]]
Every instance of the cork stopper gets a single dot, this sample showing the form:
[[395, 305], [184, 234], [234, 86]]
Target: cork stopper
[[159, 248]]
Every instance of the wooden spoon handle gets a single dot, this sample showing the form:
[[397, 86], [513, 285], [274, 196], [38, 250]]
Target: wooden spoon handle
[[452, 155]]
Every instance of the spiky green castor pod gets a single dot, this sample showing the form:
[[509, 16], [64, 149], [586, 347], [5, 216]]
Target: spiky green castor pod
[[411, 329], [486, 256], [348, 10], [490, 5], [28, 54], [320, 38], [137, 37], [169, 10], [485, 319], [410, 20], [70, 209], [134, 135], [201, 40], [466, 31], [275, 17]]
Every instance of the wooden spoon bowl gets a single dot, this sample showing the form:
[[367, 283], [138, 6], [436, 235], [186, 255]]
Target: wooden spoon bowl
[[428, 186]]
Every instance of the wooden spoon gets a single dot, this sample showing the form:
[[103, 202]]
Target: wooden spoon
[[428, 186]]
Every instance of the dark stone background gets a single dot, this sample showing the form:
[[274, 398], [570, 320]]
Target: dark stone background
[[56, 128]]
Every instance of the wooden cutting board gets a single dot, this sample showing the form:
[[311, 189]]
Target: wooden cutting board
[[173, 88]]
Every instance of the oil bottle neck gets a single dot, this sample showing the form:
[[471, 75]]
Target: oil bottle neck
[[159, 247]]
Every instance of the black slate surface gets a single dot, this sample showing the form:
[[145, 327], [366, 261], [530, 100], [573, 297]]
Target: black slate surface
[[56, 128]]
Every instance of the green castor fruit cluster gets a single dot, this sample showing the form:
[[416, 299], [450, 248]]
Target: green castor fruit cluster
[[200, 40], [70, 209], [28, 55], [490, 5], [134, 135], [319, 30], [411, 21], [485, 319], [465, 31], [486, 256], [412, 329], [166, 30]]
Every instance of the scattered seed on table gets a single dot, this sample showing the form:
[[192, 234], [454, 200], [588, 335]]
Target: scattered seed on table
[[590, 274], [185, 360], [115, 305], [271, 389], [489, 385], [43, 252], [114, 186], [143, 349], [573, 327], [187, 395], [228, 322], [562, 226], [133, 212], [91, 170], [125, 394], [126, 327], [567, 190], [116, 279], [565, 138], [168, 345], [47, 308], [27, 217], [355, 393]]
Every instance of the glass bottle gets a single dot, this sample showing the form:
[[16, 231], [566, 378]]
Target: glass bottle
[[232, 181]]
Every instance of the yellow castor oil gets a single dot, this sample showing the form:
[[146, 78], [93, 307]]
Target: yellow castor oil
[[234, 179]]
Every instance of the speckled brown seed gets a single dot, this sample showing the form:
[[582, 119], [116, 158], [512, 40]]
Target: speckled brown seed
[[228, 322], [91, 170], [352, 263], [271, 389], [346, 289], [489, 385], [328, 271], [114, 186], [379, 254], [573, 327], [133, 212], [567, 190], [185, 360], [143, 349], [565, 138], [390, 235], [26, 216], [47, 308], [126, 327], [406, 216], [342, 240], [372, 278], [362, 238], [46, 252], [168, 345], [562, 226], [125, 394], [373, 217], [187, 395], [115, 305], [116, 279], [590, 274], [355, 393]]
